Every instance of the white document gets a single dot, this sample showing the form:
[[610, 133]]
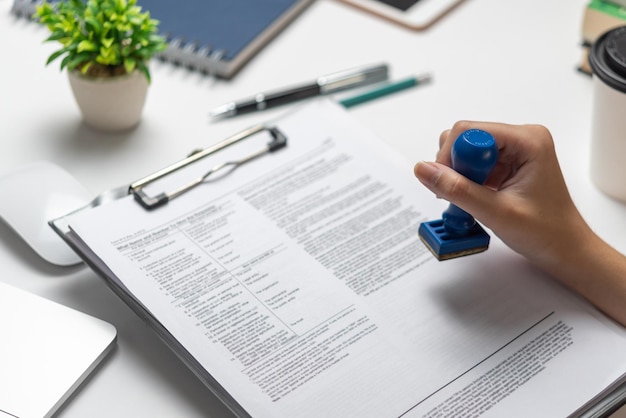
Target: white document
[[299, 283]]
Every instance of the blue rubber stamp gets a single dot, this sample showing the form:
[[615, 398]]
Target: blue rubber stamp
[[474, 155]]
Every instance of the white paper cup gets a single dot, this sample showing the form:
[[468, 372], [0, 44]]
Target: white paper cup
[[607, 59]]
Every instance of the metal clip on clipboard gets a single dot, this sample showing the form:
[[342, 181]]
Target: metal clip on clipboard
[[278, 141]]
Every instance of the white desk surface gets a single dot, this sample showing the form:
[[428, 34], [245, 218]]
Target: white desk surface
[[510, 61]]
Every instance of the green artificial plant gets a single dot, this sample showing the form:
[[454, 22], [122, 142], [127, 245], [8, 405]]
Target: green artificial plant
[[101, 38]]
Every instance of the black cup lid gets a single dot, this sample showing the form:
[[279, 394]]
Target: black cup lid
[[607, 58]]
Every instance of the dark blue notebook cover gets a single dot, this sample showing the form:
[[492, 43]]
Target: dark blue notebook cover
[[227, 25], [223, 29], [212, 36]]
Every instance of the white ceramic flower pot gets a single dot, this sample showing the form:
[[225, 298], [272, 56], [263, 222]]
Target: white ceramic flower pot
[[110, 104]]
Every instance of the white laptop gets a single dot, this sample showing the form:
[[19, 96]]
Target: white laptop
[[46, 351]]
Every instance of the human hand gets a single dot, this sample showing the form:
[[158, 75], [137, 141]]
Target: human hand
[[524, 201]]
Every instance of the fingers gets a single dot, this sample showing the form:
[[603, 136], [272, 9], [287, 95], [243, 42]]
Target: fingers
[[443, 137], [449, 185], [516, 144], [502, 133], [445, 145]]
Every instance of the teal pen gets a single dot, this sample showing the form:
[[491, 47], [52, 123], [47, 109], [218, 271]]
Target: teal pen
[[386, 89]]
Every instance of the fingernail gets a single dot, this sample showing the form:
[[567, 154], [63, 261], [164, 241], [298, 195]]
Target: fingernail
[[427, 173]]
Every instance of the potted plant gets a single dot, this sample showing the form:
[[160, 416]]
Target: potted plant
[[106, 46]]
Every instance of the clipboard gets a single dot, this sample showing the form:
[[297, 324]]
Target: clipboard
[[137, 188]]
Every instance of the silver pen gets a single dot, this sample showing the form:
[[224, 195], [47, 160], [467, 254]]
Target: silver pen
[[327, 84]]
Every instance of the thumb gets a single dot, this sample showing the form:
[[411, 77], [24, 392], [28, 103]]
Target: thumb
[[449, 185]]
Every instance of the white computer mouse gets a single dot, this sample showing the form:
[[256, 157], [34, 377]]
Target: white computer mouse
[[35, 193]]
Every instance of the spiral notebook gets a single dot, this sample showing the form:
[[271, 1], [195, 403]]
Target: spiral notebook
[[212, 36]]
